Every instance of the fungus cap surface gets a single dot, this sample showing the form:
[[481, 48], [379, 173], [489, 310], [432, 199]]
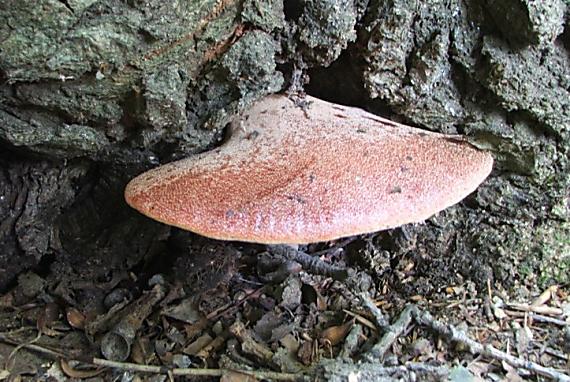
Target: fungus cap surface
[[294, 175]]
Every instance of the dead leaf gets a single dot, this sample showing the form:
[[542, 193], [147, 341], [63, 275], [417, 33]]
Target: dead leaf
[[185, 311], [79, 374], [462, 374], [142, 351], [312, 295], [336, 334], [195, 347], [75, 318], [290, 342], [479, 368]]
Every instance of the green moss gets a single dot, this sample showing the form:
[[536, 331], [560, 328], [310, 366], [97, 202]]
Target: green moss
[[49, 135], [244, 74], [165, 95], [265, 14], [552, 263], [326, 28]]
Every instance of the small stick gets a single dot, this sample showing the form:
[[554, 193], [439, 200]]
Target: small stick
[[196, 372], [351, 342], [153, 369], [311, 263], [53, 354], [364, 321], [392, 333], [538, 317], [381, 320], [549, 310], [455, 335], [373, 371], [250, 346]]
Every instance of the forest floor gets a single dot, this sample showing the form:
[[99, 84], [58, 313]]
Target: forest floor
[[241, 312]]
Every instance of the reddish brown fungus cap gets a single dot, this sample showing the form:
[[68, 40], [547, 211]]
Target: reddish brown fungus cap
[[293, 175]]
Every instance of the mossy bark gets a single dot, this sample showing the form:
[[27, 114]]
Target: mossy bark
[[95, 92]]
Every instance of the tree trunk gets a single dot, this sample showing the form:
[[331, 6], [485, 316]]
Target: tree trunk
[[95, 92]]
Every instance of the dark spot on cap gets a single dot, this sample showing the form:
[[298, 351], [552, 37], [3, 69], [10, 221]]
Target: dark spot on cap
[[396, 190], [296, 198]]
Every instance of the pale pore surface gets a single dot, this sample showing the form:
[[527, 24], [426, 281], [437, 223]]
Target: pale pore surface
[[293, 175]]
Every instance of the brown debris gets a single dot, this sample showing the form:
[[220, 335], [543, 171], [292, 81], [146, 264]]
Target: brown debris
[[334, 335], [250, 346], [457, 336], [116, 344]]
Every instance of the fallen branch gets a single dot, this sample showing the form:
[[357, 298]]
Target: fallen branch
[[334, 370], [548, 310], [391, 334], [196, 372], [50, 353], [379, 317], [55, 355], [537, 317], [312, 264], [454, 335]]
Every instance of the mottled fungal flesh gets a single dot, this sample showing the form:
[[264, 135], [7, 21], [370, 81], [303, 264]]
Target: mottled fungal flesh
[[299, 175]]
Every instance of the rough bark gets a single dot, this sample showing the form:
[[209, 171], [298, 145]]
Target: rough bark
[[94, 92]]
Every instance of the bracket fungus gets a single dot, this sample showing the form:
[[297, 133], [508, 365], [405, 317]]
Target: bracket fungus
[[299, 175]]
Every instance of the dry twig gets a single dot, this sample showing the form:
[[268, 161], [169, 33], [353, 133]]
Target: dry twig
[[548, 310], [453, 334], [379, 317], [196, 372], [336, 370], [537, 317], [312, 264], [391, 334]]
